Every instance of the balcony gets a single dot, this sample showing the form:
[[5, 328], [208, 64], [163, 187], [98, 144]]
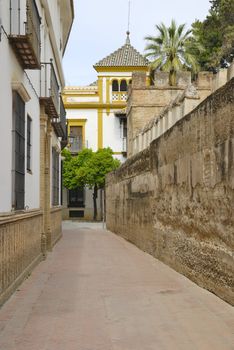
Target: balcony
[[59, 124], [119, 96], [76, 143], [24, 34], [49, 90]]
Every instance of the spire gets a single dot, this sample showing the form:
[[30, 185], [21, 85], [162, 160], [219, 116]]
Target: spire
[[128, 38], [128, 31]]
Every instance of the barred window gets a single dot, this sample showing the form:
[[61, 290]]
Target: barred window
[[76, 198], [55, 177], [18, 140], [29, 143]]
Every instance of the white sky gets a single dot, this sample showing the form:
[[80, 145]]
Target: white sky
[[100, 28]]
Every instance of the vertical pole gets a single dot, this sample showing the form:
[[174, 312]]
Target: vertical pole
[[18, 17], [10, 17]]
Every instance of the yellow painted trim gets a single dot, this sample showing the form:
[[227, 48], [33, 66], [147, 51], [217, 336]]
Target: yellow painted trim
[[77, 94], [108, 90], [100, 128], [100, 89], [77, 122], [95, 105], [122, 69]]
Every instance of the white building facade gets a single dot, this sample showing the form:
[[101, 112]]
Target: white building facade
[[33, 38], [96, 117]]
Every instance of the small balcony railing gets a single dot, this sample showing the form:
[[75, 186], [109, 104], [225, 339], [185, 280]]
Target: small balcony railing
[[124, 145], [49, 90], [119, 96], [24, 34], [59, 124], [76, 144]]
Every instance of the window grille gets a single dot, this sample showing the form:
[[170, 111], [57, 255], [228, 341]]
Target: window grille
[[76, 198], [18, 151], [29, 142], [55, 177]]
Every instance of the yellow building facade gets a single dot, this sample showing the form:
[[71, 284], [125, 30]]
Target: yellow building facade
[[96, 115]]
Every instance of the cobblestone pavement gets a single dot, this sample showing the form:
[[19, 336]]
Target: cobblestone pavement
[[96, 291]]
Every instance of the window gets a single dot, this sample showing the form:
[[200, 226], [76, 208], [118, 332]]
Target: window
[[76, 198], [123, 85], [125, 129], [76, 138], [55, 177], [29, 142], [18, 139], [115, 85]]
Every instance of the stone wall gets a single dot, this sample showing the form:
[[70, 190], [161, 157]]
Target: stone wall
[[146, 103], [56, 225], [175, 199], [20, 249]]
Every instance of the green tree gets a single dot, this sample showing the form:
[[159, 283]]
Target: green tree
[[170, 50], [88, 168], [216, 34]]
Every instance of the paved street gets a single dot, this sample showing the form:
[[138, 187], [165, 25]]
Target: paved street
[[98, 292]]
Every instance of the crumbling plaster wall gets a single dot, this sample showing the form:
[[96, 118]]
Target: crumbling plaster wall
[[175, 200]]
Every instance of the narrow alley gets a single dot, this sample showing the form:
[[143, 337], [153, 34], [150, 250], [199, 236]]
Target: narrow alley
[[96, 291]]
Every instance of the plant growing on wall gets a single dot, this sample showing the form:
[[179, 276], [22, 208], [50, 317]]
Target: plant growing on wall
[[171, 50], [89, 169]]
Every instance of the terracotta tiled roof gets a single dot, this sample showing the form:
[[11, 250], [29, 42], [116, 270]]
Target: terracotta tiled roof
[[126, 55]]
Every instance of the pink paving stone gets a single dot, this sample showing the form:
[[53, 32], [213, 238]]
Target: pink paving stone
[[96, 291]]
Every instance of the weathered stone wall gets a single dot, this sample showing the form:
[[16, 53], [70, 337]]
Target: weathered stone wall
[[56, 225], [175, 199], [20, 249], [147, 102]]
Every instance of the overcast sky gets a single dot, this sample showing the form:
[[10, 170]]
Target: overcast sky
[[100, 28]]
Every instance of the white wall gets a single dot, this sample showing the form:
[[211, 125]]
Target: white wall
[[112, 132], [11, 71], [91, 125]]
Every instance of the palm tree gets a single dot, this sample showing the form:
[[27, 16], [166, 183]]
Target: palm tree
[[171, 50]]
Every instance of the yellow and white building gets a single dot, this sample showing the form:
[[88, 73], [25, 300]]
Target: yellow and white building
[[96, 117]]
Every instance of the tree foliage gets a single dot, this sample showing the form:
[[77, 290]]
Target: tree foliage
[[89, 169], [215, 34], [170, 50]]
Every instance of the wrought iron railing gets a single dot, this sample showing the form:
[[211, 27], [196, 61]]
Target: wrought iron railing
[[25, 24], [49, 89], [63, 118], [33, 26], [124, 144], [76, 143]]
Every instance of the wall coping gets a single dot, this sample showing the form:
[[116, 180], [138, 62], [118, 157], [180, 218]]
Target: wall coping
[[6, 218]]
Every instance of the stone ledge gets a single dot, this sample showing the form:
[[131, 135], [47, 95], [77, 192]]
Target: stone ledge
[[14, 216]]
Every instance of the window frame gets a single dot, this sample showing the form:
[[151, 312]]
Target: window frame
[[18, 145], [29, 144], [55, 177]]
